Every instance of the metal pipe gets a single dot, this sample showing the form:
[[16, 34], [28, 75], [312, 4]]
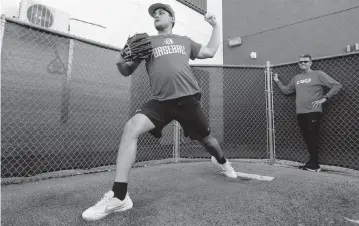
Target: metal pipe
[[270, 116], [318, 58], [227, 66], [3, 22], [272, 113], [98, 25], [63, 34], [176, 141], [2, 30], [266, 96]]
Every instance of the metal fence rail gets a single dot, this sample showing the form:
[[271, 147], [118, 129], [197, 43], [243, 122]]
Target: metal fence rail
[[64, 105]]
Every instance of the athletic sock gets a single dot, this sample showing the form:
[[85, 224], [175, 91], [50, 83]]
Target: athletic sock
[[120, 190], [222, 160]]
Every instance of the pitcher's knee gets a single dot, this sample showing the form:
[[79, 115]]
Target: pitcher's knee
[[132, 129]]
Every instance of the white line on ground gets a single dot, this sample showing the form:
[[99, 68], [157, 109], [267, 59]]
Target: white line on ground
[[255, 176], [354, 221]]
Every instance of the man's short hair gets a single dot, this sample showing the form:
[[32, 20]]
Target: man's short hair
[[306, 56]]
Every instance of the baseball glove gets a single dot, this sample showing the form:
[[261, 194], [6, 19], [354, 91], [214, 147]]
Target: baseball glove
[[138, 47]]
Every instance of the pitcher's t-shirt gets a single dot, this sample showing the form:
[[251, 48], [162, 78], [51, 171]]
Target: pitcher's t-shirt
[[168, 67]]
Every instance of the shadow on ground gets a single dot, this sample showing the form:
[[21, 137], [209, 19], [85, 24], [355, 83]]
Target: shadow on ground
[[191, 194]]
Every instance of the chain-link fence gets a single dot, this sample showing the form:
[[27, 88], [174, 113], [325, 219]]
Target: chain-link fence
[[64, 106], [339, 132], [234, 101]]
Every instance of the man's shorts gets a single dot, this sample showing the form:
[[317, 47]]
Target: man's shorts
[[185, 110]]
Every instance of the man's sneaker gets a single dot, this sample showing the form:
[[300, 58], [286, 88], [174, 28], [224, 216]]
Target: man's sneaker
[[303, 167], [310, 168], [225, 168], [108, 204]]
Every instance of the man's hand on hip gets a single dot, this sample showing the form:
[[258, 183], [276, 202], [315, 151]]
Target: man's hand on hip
[[319, 102]]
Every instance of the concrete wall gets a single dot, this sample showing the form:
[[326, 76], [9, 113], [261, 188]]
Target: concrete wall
[[251, 20]]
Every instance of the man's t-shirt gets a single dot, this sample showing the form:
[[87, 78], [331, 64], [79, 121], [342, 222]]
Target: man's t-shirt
[[168, 68], [309, 87]]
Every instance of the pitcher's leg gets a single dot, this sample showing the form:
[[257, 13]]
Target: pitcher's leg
[[213, 147], [126, 155], [195, 125], [148, 119], [118, 199]]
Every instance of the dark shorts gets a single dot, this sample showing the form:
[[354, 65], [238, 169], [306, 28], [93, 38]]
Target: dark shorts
[[185, 110]]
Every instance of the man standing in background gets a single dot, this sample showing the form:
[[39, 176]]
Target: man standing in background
[[309, 88]]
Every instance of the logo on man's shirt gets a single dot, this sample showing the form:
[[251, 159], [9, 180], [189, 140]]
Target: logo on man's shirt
[[168, 48], [308, 80], [168, 41]]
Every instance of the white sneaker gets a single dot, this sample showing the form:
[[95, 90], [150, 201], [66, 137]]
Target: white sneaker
[[226, 168], [108, 204]]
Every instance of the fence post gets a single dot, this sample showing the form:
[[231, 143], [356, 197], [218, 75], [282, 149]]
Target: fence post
[[3, 21], [270, 136], [176, 141], [272, 111], [2, 30]]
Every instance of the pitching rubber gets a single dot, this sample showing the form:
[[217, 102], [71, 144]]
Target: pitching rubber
[[254, 176]]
